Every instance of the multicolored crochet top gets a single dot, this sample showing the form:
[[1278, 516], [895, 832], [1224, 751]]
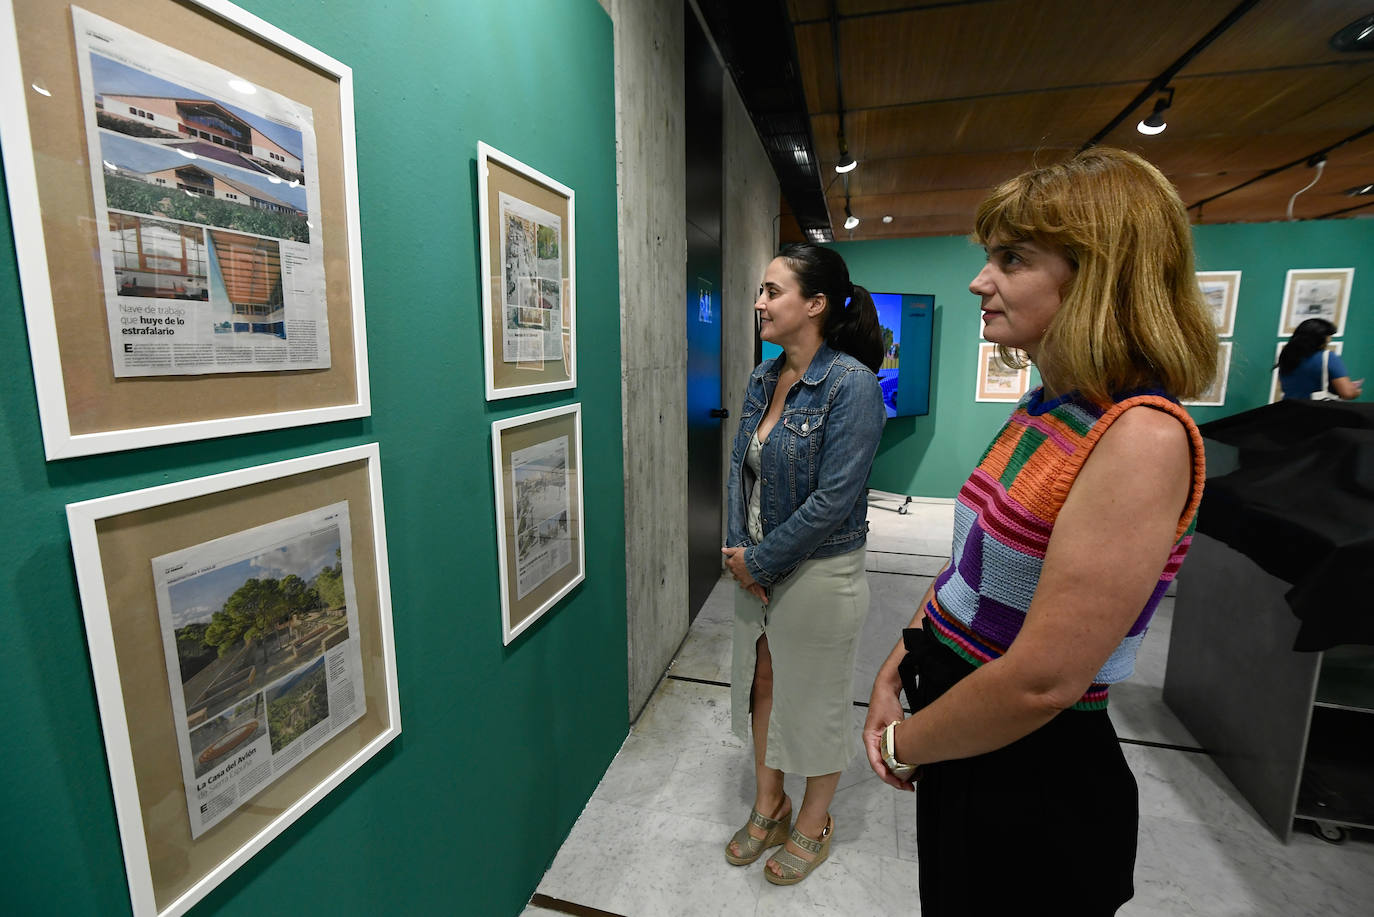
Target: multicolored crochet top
[[1005, 513]]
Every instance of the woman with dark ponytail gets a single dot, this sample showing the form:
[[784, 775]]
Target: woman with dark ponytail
[[1307, 370], [797, 523]]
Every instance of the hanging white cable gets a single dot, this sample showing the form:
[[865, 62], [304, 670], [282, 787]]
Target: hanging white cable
[[1321, 164]]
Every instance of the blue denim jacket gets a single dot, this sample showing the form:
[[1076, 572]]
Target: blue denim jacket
[[814, 464]]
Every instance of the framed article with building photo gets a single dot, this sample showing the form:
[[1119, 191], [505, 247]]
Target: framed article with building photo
[[1316, 293], [240, 635], [183, 190], [1220, 290], [1216, 392], [526, 225], [537, 460], [996, 380], [1275, 389]]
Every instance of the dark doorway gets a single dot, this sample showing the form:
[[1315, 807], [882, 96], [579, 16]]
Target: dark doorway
[[704, 81]]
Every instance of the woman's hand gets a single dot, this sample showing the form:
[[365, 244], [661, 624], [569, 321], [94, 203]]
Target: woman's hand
[[884, 706], [734, 562]]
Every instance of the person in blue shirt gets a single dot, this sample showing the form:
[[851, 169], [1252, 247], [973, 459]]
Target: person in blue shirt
[[1300, 364], [796, 527]]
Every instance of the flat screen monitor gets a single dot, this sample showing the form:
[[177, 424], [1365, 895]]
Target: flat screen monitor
[[907, 320]]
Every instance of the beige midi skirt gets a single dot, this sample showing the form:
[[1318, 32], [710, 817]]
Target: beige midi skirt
[[813, 624]]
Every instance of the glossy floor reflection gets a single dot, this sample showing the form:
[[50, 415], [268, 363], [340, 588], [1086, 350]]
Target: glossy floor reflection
[[649, 842]]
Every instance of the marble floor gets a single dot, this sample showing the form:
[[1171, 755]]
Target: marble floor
[[649, 842]]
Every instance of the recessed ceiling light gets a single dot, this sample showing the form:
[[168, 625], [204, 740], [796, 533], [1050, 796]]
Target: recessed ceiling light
[[887, 218], [1359, 190]]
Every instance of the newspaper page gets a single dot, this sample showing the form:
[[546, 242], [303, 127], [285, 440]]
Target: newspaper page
[[542, 503], [207, 204], [532, 285], [260, 630]]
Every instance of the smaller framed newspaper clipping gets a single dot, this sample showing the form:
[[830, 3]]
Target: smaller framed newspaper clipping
[[526, 227], [537, 460], [996, 380], [1220, 290], [1215, 395], [240, 637]]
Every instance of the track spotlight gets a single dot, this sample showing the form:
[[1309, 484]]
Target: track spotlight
[[847, 163], [850, 220], [1153, 123]]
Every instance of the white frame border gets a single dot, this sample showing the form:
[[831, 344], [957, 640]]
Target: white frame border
[[81, 519], [485, 153], [1232, 278], [1275, 390], [980, 377], [1290, 281], [31, 251], [508, 634], [1224, 351]]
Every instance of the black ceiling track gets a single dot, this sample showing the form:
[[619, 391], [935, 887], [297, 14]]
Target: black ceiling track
[[1158, 83], [760, 52], [1310, 159]]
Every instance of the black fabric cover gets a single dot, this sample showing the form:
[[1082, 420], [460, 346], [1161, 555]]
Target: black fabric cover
[[1294, 492]]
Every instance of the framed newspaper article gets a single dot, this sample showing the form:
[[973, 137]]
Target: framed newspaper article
[[240, 637], [539, 532], [526, 227], [1316, 293], [996, 380], [1275, 389], [1216, 392], [1220, 290], [183, 190]]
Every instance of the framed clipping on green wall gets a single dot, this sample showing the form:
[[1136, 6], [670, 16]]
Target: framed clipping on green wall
[[1316, 293], [996, 380], [1215, 395], [1220, 290], [240, 635], [537, 460], [183, 188], [526, 225]]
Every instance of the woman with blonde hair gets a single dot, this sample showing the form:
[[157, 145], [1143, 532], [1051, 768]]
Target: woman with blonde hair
[[1067, 534]]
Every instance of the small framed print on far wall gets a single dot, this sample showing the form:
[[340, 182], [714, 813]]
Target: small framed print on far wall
[[996, 380], [1316, 293], [1215, 395], [1220, 290]]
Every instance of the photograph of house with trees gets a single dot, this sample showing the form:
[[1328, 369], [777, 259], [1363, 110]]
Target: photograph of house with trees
[[250, 621]]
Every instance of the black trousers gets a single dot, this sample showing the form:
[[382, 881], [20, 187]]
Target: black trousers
[[1046, 825]]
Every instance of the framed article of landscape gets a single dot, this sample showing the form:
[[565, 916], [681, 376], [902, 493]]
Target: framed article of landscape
[[1220, 289], [1276, 390], [183, 190], [1216, 392], [527, 231], [537, 460], [1316, 293], [240, 634], [996, 380]]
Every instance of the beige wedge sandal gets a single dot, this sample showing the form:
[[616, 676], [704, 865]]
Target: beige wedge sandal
[[793, 867], [751, 848]]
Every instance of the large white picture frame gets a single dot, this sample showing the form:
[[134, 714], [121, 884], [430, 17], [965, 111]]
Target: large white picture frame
[[529, 299], [114, 540], [84, 409], [540, 528]]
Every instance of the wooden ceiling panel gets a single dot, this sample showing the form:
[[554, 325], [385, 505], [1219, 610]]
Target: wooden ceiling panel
[[1281, 34], [1061, 118], [947, 171], [1267, 105], [998, 48], [945, 99]]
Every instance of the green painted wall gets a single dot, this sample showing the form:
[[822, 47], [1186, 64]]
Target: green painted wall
[[931, 456], [501, 746]]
